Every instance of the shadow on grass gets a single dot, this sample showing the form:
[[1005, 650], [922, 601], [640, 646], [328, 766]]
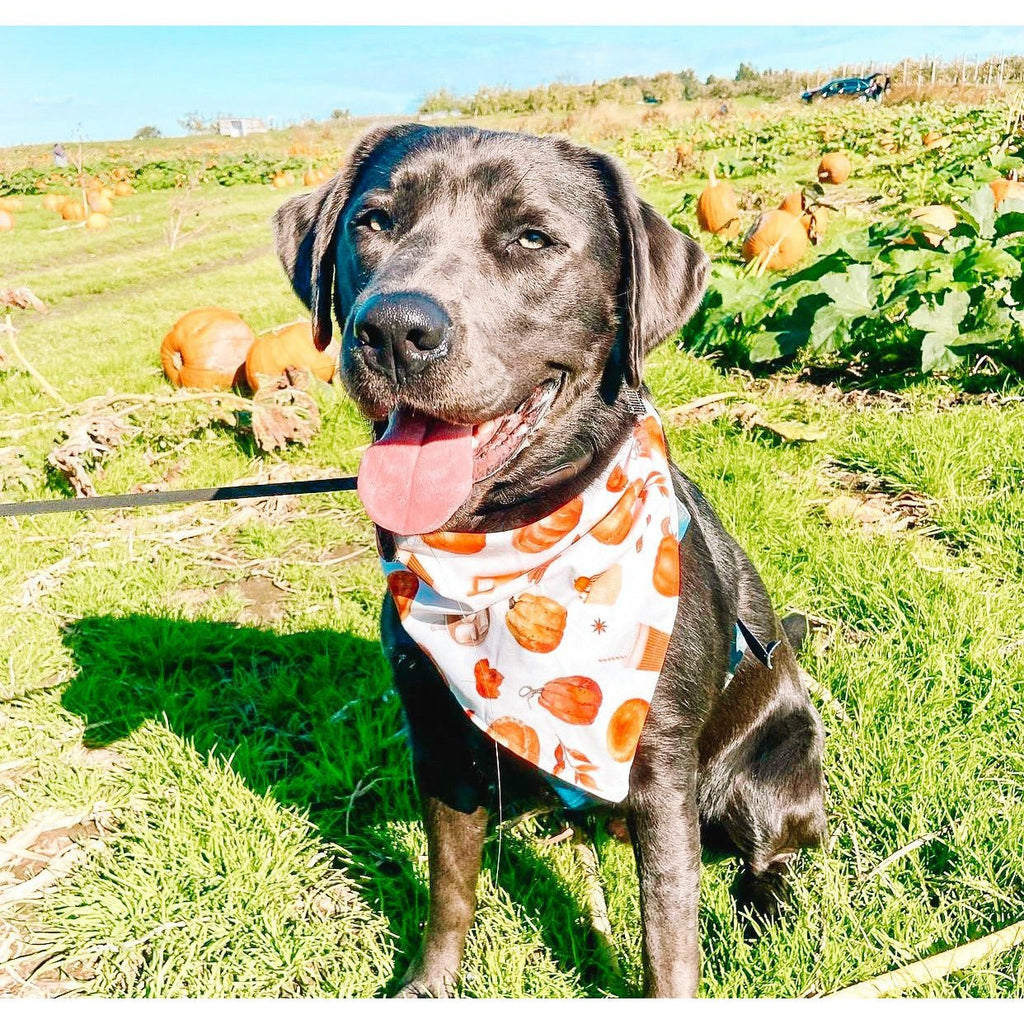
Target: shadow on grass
[[311, 719]]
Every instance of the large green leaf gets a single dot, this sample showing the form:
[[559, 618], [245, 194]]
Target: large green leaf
[[940, 321]]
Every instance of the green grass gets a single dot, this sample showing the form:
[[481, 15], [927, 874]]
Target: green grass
[[212, 676]]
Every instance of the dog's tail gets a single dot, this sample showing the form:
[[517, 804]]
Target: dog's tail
[[796, 626]]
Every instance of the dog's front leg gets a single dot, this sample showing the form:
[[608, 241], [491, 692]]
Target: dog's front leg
[[454, 845], [666, 842]]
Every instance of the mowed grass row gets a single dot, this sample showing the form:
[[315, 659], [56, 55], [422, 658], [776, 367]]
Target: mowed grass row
[[212, 676]]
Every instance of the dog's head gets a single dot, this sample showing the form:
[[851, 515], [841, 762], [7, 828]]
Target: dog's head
[[494, 291]]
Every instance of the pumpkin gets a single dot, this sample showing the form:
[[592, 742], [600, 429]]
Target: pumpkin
[[941, 217], [572, 699], [291, 345], [206, 348], [402, 586], [456, 543], [97, 222], [72, 210], [814, 222], [536, 623], [624, 728], [650, 438], [794, 203], [547, 532], [279, 180], [99, 203], [615, 526], [683, 153], [516, 736], [6, 221], [53, 203], [10, 204], [108, 192], [777, 239], [834, 168], [617, 479], [122, 188], [666, 564], [1006, 188], [488, 680], [717, 210]]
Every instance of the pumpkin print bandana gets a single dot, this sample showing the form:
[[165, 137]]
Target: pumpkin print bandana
[[552, 636]]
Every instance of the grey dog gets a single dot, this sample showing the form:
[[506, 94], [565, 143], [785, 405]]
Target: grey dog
[[467, 269]]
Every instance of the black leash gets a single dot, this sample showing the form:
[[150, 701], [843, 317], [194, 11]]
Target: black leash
[[271, 490]]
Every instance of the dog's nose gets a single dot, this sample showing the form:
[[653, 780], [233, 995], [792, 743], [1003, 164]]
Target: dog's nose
[[406, 331]]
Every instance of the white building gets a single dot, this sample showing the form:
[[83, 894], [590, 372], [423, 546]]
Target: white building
[[239, 126]]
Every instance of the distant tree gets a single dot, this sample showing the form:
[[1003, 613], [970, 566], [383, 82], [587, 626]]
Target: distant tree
[[339, 114], [195, 124], [149, 131], [746, 73]]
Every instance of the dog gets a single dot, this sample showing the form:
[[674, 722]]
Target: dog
[[497, 294]]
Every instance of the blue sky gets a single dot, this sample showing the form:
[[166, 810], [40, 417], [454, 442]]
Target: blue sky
[[109, 81]]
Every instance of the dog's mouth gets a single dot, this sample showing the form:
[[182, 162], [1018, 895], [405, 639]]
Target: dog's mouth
[[418, 475]]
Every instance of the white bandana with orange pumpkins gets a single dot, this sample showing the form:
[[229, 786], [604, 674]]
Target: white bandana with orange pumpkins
[[552, 636]]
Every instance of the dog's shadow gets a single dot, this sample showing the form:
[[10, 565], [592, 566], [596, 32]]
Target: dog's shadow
[[311, 719]]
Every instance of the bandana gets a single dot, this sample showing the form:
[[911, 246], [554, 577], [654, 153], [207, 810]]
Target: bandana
[[552, 636]]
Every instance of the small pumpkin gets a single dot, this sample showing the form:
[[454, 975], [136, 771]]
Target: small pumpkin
[[572, 699], [624, 728], [10, 204], [794, 203], [53, 203], [122, 188], [206, 348], [289, 346], [814, 222], [456, 543], [834, 168], [488, 680], [402, 586], [99, 203], [6, 221], [615, 526], [650, 438], [777, 239], [717, 210], [547, 532], [536, 623], [516, 736], [1006, 188], [97, 222], [617, 479], [666, 564], [941, 217], [72, 210]]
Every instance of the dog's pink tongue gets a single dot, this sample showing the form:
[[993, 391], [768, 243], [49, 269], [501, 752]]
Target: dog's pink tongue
[[417, 475]]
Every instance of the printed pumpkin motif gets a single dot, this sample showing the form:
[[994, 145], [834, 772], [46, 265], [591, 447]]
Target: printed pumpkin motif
[[547, 532], [624, 728], [488, 680], [666, 563], [615, 526], [456, 543], [536, 622], [517, 736], [573, 699], [617, 480], [650, 438], [403, 586]]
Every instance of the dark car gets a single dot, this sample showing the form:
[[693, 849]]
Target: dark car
[[874, 87]]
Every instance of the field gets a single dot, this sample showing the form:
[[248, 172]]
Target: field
[[204, 785]]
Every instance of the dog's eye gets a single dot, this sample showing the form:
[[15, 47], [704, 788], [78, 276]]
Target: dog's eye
[[533, 240], [375, 220]]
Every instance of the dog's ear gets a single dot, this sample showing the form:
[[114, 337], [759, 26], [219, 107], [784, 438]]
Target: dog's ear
[[305, 230], [663, 272]]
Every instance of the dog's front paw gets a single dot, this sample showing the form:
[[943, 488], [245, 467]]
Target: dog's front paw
[[423, 986]]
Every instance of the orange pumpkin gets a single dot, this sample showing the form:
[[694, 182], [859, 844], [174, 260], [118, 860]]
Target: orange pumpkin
[[666, 564], [289, 346], [793, 203], [99, 203], [6, 221], [717, 210], [97, 222], [617, 479], [206, 348], [650, 438], [834, 168], [516, 736], [402, 586], [11, 204], [72, 210], [572, 699], [1006, 188], [814, 222], [53, 203], [122, 188], [777, 238], [624, 728], [615, 526], [536, 622], [488, 680], [547, 532], [456, 543]]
